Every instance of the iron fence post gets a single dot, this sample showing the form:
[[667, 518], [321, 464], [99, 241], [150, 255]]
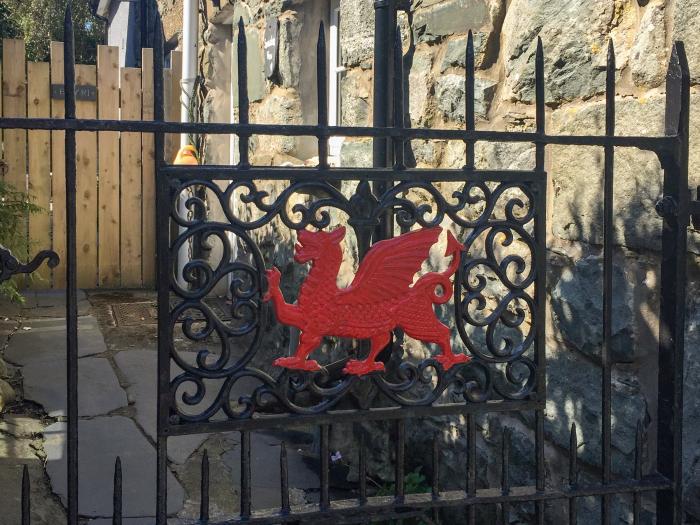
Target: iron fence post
[[673, 292]]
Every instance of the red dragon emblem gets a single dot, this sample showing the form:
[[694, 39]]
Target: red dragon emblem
[[382, 297]]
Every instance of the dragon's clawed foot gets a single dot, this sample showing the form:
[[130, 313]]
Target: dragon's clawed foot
[[448, 361], [360, 368], [297, 363], [273, 281]]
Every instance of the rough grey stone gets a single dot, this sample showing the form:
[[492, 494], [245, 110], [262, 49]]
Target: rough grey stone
[[98, 389], [420, 84], [577, 300], [139, 368], [648, 56], [456, 52], [101, 440], [7, 394], [433, 22], [504, 156], [686, 27], [289, 52], [357, 33], [577, 175], [282, 106], [450, 92], [355, 92], [42, 339], [356, 154], [574, 396], [573, 64], [256, 68]]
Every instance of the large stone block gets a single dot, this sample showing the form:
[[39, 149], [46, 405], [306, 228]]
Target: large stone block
[[577, 300], [686, 27], [648, 58], [357, 33], [450, 94], [691, 405], [255, 65], [289, 52], [574, 35], [577, 175], [356, 97], [420, 84], [438, 20]]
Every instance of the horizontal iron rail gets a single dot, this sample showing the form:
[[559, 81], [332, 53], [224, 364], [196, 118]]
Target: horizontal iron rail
[[346, 416], [388, 507], [215, 172], [658, 144]]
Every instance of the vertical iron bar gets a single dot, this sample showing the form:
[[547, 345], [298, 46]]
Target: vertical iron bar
[[573, 472], [204, 488], [284, 479], [26, 495], [381, 146], [399, 162], [400, 459], [540, 104], [246, 494], [322, 96], [541, 278], [363, 470], [436, 467], [71, 260], [605, 355], [471, 467], [469, 114], [163, 280], [243, 109], [673, 292], [117, 493], [637, 497], [325, 470], [505, 475]]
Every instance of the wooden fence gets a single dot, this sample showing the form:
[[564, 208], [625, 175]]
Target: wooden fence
[[115, 171]]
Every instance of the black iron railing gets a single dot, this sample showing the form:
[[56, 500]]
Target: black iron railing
[[378, 207]]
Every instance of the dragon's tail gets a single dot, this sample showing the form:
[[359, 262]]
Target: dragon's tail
[[429, 282]]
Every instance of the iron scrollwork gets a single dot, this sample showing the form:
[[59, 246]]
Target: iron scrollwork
[[225, 363], [10, 265]]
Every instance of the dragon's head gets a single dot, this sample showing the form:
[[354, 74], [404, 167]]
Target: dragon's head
[[315, 245]]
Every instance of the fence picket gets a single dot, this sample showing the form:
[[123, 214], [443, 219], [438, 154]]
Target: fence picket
[[131, 180], [14, 94], [58, 171], [86, 183], [39, 183], [108, 148], [148, 241]]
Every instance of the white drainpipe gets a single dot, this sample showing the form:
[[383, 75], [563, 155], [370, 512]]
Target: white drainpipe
[[190, 29]]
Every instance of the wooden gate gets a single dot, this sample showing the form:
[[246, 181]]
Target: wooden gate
[[115, 174]]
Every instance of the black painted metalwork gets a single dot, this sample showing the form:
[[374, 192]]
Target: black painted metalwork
[[499, 215]]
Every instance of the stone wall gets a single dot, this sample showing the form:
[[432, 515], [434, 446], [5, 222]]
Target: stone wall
[[575, 36]]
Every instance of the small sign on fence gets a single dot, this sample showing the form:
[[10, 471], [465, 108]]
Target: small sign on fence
[[82, 92]]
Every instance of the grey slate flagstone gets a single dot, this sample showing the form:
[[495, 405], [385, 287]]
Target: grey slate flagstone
[[46, 340], [98, 389], [101, 440], [139, 369]]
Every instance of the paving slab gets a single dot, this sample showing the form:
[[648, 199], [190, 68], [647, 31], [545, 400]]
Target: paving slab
[[51, 303], [140, 370], [99, 391], [101, 440], [265, 470], [45, 339]]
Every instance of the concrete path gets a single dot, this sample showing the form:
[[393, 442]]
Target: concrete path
[[117, 406]]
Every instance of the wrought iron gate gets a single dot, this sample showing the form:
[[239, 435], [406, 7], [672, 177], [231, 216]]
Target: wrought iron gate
[[500, 216]]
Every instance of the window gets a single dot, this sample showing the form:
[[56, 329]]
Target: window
[[335, 70]]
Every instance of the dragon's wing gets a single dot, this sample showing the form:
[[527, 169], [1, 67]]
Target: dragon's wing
[[388, 268]]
